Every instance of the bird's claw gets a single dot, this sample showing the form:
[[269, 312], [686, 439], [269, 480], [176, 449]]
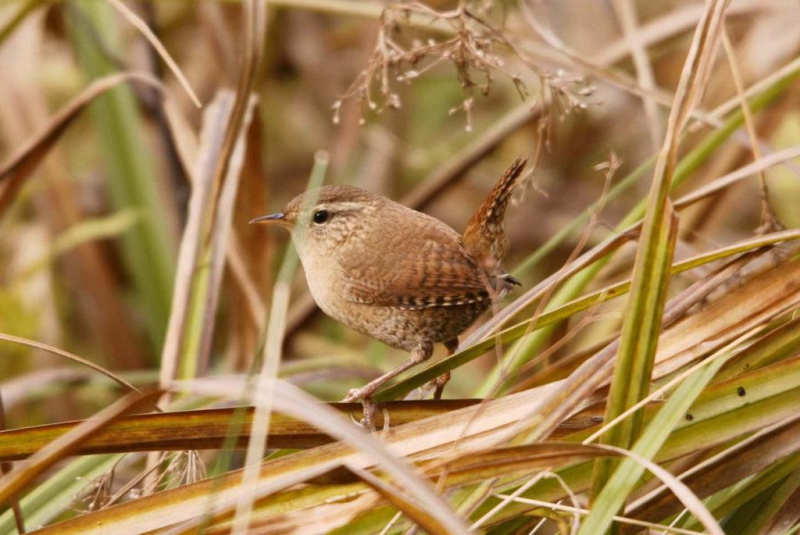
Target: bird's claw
[[369, 408]]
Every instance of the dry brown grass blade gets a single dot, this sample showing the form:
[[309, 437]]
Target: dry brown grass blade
[[255, 306], [787, 517], [193, 251], [184, 138], [308, 521], [291, 400], [402, 502], [221, 237], [66, 354], [21, 165], [763, 298], [28, 470], [253, 38], [210, 428], [148, 34], [768, 219], [423, 439], [510, 460], [247, 253]]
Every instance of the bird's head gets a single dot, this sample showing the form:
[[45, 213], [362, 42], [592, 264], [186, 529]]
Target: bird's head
[[325, 218]]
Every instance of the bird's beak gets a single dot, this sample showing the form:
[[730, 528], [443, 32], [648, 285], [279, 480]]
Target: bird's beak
[[279, 218]]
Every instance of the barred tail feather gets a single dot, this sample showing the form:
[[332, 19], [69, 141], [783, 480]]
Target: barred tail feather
[[485, 233]]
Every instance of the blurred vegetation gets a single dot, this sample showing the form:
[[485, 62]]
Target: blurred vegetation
[[124, 241]]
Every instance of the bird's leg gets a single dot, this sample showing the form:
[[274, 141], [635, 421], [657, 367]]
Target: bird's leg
[[442, 380], [364, 393]]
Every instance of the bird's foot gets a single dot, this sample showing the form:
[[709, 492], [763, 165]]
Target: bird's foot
[[355, 394], [439, 384], [370, 409]]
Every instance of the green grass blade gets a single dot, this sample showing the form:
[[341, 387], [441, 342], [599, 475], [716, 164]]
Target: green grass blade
[[624, 479], [54, 496], [640, 331], [725, 502], [768, 509], [148, 247]]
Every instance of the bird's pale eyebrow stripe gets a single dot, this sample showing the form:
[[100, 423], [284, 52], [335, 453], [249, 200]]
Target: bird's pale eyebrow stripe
[[340, 206]]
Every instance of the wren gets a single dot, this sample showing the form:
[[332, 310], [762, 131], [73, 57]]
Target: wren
[[396, 274]]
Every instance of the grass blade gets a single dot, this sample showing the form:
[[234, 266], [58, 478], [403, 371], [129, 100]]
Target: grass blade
[[56, 450], [20, 166], [643, 317], [200, 262], [54, 496], [613, 495], [148, 247]]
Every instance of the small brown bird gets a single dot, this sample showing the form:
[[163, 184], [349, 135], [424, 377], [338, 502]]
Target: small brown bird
[[396, 274]]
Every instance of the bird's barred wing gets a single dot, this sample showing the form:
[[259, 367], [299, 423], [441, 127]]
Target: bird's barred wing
[[422, 267]]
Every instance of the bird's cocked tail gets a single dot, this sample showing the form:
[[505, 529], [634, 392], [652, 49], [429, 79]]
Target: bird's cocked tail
[[485, 238]]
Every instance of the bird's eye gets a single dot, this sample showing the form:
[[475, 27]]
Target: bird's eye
[[321, 216]]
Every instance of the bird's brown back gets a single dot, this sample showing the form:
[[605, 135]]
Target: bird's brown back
[[409, 260]]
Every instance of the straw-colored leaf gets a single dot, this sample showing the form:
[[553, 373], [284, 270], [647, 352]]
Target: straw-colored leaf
[[200, 262], [210, 429], [144, 29]]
